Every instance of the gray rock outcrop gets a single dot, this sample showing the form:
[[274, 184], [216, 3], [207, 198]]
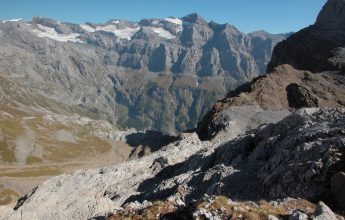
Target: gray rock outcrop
[[323, 212], [268, 162]]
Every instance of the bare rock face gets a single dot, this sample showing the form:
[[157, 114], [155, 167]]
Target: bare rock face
[[298, 215], [323, 212], [268, 162], [298, 96], [314, 48], [282, 175], [332, 16], [233, 120], [337, 188]]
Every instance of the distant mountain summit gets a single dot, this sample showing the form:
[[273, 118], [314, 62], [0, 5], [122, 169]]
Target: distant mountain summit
[[194, 18], [160, 74]]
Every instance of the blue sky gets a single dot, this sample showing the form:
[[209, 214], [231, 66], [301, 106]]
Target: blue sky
[[275, 16]]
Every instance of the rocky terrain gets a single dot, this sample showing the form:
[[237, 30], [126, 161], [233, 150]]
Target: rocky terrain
[[158, 74], [265, 163], [283, 88], [220, 207]]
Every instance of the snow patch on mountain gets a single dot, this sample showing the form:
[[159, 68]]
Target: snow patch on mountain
[[163, 33], [43, 31], [87, 28], [174, 20], [128, 32], [155, 22], [12, 20], [125, 33], [177, 22]]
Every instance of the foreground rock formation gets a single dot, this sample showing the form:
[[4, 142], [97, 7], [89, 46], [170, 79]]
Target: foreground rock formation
[[265, 163], [284, 88]]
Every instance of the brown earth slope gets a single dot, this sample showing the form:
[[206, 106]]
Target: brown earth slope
[[284, 88]]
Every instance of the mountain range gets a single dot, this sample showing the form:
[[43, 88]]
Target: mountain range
[[68, 86], [158, 74]]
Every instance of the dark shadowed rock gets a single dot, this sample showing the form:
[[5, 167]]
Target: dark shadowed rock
[[338, 188], [298, 96], [313, 48], [332, 15]]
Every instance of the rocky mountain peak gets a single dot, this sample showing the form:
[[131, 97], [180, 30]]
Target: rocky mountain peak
[[49, 25], [260, 33], [194, 18], [315, 48], [332, 14], [43, 21]]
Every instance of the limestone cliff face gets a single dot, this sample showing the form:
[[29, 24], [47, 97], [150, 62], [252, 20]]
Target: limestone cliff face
[[160, 74]]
